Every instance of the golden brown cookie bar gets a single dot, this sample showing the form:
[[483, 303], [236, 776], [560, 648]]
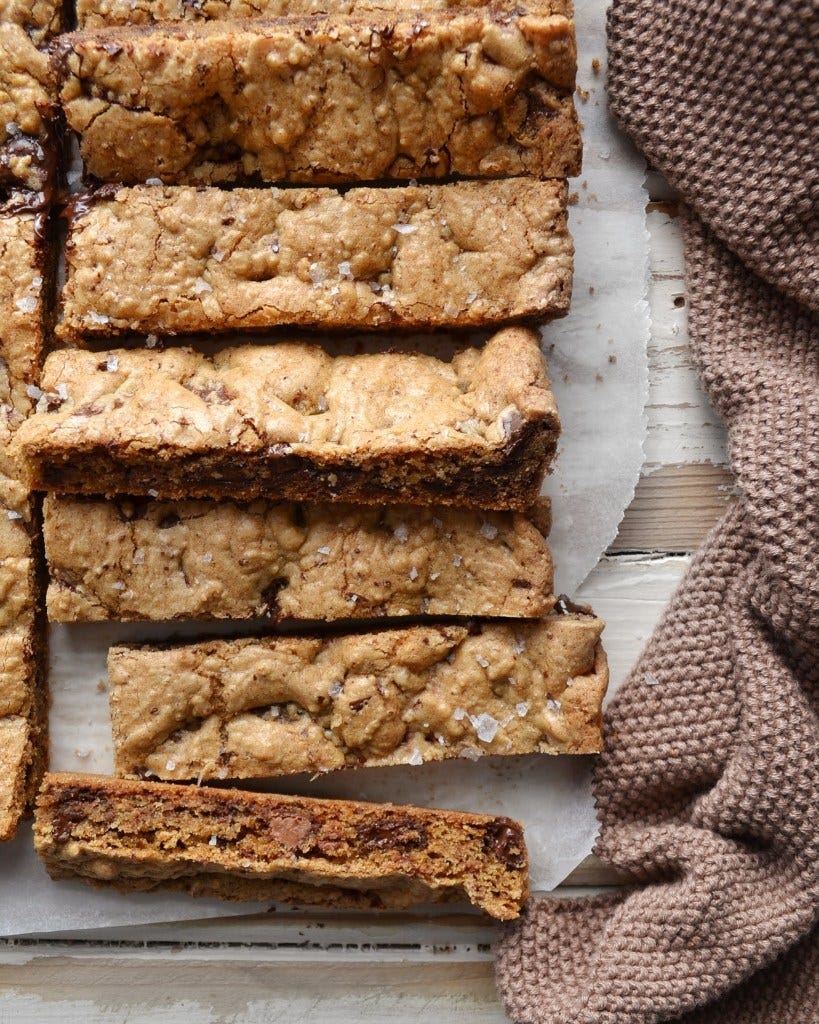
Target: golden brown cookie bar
[[22, 649], [176, 260], [256, 846], [266, 706], [28, 147], [473, 91], [289, 419], [218, 560], [40, 19], [22, 636], [94, 14], [23, 269]]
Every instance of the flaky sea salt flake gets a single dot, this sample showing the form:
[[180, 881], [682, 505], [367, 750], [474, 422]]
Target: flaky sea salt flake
[[318, 275], [485, 726]]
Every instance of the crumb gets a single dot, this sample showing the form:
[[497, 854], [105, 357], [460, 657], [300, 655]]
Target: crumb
[[612, 358], [583, 94], [595, 65], [573, 199]]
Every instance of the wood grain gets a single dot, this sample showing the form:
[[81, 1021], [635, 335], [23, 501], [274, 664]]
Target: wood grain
[[175, 988], [674, 507]]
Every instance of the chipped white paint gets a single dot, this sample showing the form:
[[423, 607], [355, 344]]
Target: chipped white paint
[[682, 425]]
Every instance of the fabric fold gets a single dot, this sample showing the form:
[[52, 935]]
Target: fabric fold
[[708, 789]]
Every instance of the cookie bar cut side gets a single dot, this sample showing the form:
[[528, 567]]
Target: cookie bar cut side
[[477, 92], [283, 560], [267, 706], [290, 420], [142, 836], [163, 261], [24, 269], [23, 701], [28, 95]]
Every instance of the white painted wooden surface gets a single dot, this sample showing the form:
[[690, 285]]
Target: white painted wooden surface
[[294, 967]]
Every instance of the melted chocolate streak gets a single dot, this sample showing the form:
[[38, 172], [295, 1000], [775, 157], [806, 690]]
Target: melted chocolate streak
[[37, 203]]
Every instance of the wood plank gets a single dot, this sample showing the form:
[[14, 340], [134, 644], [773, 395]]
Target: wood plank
[[682, 426], [674, 507], [177, 989]]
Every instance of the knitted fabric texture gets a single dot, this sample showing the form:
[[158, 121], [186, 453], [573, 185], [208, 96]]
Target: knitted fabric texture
[[708, 790]]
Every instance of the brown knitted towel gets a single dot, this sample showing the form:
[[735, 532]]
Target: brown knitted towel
[[708, 790]]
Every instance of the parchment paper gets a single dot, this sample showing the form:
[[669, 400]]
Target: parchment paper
[[597, 361]]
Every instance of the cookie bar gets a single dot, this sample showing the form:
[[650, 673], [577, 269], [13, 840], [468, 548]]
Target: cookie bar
[[255, 846], [22, 272], [176, 260], [22, 636], [291, 420], [41, 20], [472, 91], [219, 560], [22, 649], [94, 14], [266, 706], [28, 147]]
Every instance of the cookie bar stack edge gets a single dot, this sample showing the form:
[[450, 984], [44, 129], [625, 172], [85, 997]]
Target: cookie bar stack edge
[[23, 703]]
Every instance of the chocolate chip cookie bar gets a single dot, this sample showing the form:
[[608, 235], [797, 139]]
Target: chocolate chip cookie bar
[[94, 14], [266, 706], [28, 101], [23, 270], [219, 560], [176, 260], [143, 836], [22, 636], [291, 420], [478, 92], [23, 702]]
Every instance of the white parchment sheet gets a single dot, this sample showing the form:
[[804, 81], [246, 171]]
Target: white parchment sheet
[[597, 361]]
